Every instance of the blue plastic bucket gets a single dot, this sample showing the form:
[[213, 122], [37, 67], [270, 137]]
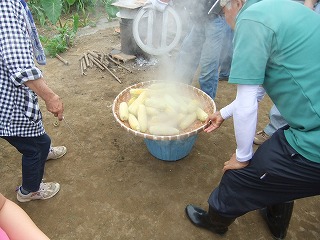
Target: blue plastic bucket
[[171, 150]]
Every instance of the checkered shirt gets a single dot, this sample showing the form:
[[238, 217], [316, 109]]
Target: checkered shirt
[[19, 109]]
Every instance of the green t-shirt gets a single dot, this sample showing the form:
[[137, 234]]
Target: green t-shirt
[[277, 44]]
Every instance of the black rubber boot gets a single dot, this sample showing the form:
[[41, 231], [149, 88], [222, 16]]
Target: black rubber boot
[[210, 220], [278, 218]]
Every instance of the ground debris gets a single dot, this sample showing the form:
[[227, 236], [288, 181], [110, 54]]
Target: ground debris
[[98, 59], [141, 61]]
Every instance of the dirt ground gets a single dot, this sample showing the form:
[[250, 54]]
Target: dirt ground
[[111, 186]]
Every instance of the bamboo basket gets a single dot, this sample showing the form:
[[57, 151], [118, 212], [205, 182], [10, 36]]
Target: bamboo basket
[[174, 147]]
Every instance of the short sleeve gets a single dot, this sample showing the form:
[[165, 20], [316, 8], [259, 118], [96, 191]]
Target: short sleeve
[[252, 50]]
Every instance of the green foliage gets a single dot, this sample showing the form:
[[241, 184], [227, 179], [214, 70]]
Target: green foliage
[[76, 21], [52, 10], [110, 9], [63, 40], [71, 2], [38, 12], [55, 45]]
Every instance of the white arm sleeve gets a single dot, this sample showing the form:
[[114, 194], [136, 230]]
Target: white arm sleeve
[[245, 112], [228, 110]]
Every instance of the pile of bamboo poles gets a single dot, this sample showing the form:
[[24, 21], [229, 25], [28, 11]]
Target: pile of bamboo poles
[[100, 60]]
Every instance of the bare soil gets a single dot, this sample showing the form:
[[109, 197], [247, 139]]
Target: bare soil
[[111, 186]]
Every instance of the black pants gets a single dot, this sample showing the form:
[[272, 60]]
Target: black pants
[[276, 174]]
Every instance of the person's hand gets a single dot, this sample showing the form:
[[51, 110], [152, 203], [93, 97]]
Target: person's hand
[[233, 163], [55, 106], [213, 122], [53, 102], [159, 5]]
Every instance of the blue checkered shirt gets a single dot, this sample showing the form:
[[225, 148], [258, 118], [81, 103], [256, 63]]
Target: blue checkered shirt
[[19, 109]]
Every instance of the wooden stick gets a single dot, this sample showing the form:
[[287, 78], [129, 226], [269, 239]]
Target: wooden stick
[[106, 67], [119, 64], [86, 59], [104, 60], [94, 57], [84, 64], [96, 52], [113, 75], [93, 54], [81, 66], [96, 62], [61, 59]]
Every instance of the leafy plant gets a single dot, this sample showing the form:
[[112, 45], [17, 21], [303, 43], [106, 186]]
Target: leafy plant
[[38, 12], [52, 10], [110, 9], [63, 40]]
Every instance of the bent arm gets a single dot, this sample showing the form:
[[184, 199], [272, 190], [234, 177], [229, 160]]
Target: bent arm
[[52, 100], [16, 223]]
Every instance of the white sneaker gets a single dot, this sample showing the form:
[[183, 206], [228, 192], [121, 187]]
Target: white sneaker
[[56, 152], [46, 191]]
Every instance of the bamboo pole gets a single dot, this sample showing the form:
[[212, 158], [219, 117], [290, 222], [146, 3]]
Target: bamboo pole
[[61, 59]]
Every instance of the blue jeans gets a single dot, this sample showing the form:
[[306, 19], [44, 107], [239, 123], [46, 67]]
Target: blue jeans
[[203, 46], [276, 121], [34, 152], [226, 54]]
